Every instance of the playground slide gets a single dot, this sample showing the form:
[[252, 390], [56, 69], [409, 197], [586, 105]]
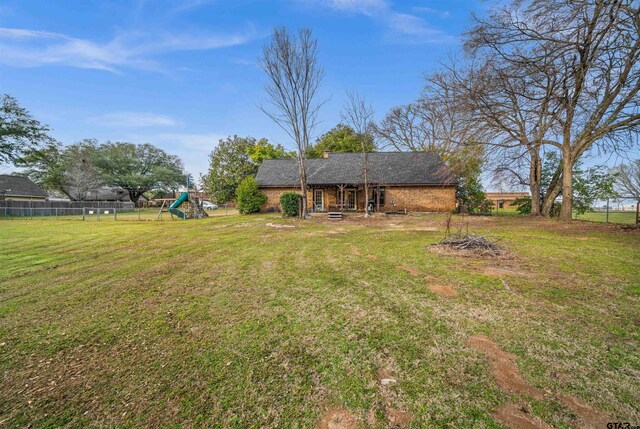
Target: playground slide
[[173, 208]]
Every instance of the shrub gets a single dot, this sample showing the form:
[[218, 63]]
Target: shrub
[[523, 205], [290, 203], [249, 197], [471, 196]]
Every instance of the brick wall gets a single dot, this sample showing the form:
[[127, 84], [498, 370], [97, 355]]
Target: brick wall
[[421, 198], [411, 198], [273, 198]]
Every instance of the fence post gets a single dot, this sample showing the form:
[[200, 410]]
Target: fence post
[[31, 212], [56, 213], [115, 216], [83, 213]]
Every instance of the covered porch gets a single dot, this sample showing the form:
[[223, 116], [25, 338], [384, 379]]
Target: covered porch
[[345, 198]]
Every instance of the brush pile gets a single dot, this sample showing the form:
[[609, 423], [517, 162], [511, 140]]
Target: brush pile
[[470, 243]]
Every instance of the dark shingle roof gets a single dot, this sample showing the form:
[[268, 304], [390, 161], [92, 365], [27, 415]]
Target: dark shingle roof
[[390, 168], [18, 186]]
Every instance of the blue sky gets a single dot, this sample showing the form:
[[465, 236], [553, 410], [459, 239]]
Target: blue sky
[[183, 74]]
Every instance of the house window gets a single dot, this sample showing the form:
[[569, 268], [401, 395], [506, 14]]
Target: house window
[[349, 199], [318, 199], [378, 196]]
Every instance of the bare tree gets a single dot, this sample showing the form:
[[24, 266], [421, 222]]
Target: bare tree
[[629, 179], [590, 51], [437, 122], [359, 115], [515, 106], [294, 76], [82, 179]]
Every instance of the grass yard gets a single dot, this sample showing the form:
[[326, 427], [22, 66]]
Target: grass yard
[[258, 321], [628, 217]]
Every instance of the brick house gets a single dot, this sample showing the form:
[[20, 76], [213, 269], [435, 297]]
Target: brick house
[[502, 200], [412, 181]]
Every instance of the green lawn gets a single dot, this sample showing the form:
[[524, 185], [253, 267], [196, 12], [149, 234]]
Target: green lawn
[[232, 322], [614, 217]]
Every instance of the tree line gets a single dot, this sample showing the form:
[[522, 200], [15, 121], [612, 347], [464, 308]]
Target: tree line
[[541, 84], [539, 88], [79, 170]]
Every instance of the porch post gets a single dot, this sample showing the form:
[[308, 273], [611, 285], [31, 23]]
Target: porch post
[[378, 198]]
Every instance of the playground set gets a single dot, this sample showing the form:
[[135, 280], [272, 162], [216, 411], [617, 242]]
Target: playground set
[[193, 210]]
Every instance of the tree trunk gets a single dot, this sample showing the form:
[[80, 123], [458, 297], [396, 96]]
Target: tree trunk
[[134, 197], [302, 171], [567, 184], [535, 173], [366, 185], [555, 187]]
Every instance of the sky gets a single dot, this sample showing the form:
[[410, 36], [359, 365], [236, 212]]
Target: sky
[[183, 74]]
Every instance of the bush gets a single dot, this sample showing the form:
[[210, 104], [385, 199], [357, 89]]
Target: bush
[[523, 206], [290, 203], [249, 197], [472, 198]]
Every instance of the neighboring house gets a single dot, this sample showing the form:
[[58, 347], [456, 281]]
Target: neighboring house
[[19, 188], [501, 200], [413, 181], [107, 193]]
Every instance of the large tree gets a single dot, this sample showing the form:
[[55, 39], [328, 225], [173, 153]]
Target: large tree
[[263, 149], [229, 163], [590, 50], [69, 170], [294, 76], [20, 134], [435, 123], [341, 138], [138, 168]]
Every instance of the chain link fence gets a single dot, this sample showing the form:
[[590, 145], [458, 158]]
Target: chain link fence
[[613, 210], [96, 214]]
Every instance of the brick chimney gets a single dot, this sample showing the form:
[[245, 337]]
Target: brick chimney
[[325, 154]]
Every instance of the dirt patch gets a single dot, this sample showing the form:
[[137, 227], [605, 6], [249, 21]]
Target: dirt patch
[[591, 418], [508, 377], [385, 378], [503, 367], [398, 418], [372, 257], [410, 270], [517, 417], [355, 251], [338, 418], [280, 225], [443, 290]]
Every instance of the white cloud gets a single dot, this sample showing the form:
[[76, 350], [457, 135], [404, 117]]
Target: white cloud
[[399, 24], [134, 119], [30, 48]]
